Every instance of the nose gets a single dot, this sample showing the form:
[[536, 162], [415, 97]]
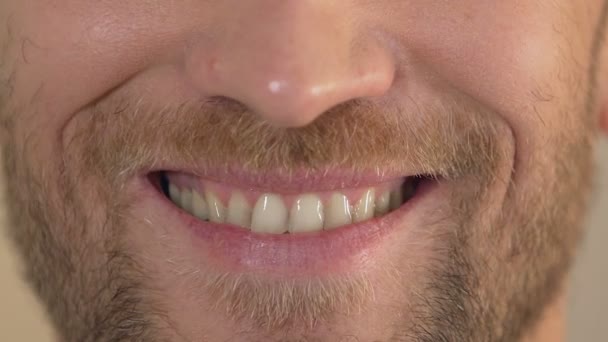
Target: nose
[[289, 61]]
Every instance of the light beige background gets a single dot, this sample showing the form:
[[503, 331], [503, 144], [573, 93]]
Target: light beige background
[[21, 318]]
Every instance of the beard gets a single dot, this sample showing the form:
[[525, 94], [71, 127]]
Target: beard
[[494, 255]]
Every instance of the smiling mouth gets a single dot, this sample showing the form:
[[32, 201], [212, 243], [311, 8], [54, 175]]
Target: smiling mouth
[[267, 212], [288, 227]]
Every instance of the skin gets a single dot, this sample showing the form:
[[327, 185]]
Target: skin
[[502, 100]]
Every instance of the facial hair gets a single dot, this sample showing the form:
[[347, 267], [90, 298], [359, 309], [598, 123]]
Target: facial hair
[[491, 280]]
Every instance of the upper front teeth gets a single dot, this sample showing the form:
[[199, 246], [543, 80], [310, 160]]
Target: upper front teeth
[[307, 214], [364, 209], [337, 212], [217, 212], [269, 215], [239, 210], [270, 212]]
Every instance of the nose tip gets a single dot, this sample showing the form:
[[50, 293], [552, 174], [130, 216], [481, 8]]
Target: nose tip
[[294, 66], [292, 100]]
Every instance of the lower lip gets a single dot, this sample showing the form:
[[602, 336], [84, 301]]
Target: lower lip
[[234, 249]]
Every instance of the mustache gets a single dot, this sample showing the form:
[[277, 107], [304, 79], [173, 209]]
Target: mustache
[[446, 139]]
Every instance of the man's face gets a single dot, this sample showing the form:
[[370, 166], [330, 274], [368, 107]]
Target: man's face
[[297, 170]]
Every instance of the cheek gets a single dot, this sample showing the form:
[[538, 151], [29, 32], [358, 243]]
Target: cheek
[[64, 56], [604, 120], [524, 60], [511, 63], [518, 64]]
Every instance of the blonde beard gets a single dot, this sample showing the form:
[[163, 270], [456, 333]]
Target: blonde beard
[[468, 286]]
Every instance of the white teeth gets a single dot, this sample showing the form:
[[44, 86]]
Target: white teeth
[[217, 212], [364, 210], [239, 211], [186, 200], [337, 212], [382, 203], [306, 214], [175, 195], [269, 215], [199, 206], [309, 212], [396, 198]]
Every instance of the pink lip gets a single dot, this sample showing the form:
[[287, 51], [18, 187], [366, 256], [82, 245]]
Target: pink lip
[[234, 249], [294, 182], [223, 191]]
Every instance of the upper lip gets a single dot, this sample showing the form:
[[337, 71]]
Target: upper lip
[[288, 182]]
